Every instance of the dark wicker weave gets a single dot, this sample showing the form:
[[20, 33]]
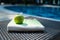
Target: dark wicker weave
[[46, 35]]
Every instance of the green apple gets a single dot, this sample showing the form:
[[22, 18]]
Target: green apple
[[19, 19]]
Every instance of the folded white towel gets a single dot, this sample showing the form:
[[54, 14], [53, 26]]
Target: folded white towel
[[28, 25]]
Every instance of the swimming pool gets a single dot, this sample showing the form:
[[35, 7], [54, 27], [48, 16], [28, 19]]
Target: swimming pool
[[47, 12]]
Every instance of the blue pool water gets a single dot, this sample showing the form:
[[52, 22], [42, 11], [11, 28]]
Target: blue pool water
[[48, 12]]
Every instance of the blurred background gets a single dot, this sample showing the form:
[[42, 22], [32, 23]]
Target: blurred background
[[36, 2]]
